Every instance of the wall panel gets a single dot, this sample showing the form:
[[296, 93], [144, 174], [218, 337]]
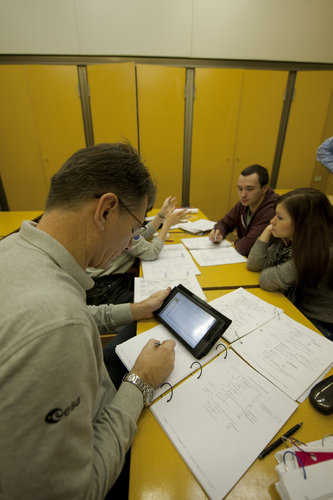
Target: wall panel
[[21, 166], [161, 126], [57, 112], [113, 102], [215, 119], [259, 120]]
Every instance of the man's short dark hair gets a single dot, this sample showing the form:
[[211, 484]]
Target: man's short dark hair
[[96, 170], [262, 173]]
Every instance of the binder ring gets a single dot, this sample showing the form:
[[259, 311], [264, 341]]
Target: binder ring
[[324, 437], [197, 362], [299, 460], [224, 347], [171, 394]]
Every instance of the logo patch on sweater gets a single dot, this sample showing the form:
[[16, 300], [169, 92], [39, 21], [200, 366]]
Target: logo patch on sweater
[[55, 415]]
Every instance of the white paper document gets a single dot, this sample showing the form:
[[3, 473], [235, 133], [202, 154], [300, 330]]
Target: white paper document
[[128, 352], [246, 311], [144, 288], [220, 422], [204, 243], [287, 353], [198, 226], [218, 256], [173, 262]]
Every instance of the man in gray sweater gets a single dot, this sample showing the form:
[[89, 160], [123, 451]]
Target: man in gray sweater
[[64, 427]]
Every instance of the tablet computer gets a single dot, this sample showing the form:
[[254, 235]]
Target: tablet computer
[[196, 324]]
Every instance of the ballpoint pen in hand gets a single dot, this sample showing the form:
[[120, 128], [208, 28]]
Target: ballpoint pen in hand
[[279, 441]]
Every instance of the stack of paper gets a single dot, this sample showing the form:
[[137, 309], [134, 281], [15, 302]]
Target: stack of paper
[[174, 262], [204, 243], [217, 255], [246, 311], [199, 226], [220, 422], [315, 480], [144, 288]]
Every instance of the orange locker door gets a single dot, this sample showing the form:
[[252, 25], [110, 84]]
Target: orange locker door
[[259, 119], [21, 166], [57, 113], [161, 126], [113, 102], [215, 118]]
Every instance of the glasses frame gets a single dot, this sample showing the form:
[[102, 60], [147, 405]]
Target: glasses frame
[[142, 227]]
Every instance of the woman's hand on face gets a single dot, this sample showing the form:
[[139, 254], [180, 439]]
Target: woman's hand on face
[[266, 235]]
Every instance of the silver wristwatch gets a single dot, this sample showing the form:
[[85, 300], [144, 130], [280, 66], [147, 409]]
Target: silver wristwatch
[[146, 389]]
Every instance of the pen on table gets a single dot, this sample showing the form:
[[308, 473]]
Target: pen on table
[[279, 441]]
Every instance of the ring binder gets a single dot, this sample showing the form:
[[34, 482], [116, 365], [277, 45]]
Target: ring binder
[[297, 444], [299, 460], [197, 362], [171, 394], [224, 347]]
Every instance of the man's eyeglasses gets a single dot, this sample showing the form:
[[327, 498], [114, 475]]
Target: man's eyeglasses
[[142, 227]]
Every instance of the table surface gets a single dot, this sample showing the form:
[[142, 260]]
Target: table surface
[[159, 472]]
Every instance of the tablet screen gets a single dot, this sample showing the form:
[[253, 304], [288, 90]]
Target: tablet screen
[[187, 319]]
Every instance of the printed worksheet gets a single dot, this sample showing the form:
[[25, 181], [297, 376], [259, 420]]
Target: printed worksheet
[[221, 255], [144, 288], [173, 262], [247, 312], [220, 422], [198, 226], [204, 243], [287, 353]]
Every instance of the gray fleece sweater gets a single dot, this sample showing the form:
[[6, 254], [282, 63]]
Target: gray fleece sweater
[[64, 429], [315, 303]]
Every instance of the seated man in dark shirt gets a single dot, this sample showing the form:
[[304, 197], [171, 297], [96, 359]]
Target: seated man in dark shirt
[[252, 213]]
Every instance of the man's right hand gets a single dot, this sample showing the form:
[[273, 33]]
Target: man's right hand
[[154, 364], [215, 236]]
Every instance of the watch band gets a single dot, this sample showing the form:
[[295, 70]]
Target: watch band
[[146, 389]]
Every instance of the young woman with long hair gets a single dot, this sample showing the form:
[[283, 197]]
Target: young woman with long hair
[[295, 254]]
